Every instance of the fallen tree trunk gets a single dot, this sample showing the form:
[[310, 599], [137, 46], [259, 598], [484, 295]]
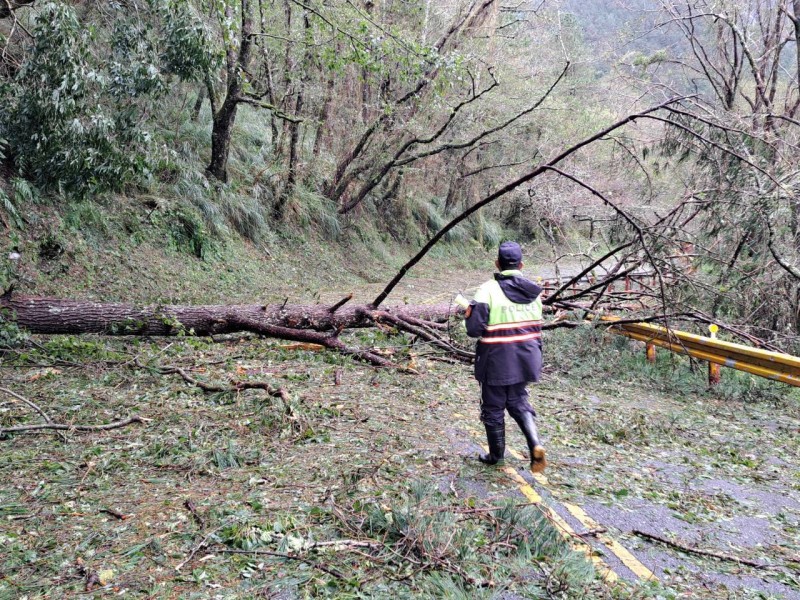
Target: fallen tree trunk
[[63, 316], [316, 324]]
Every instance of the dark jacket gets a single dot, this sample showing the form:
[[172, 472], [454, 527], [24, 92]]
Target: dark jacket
[[510, 348]]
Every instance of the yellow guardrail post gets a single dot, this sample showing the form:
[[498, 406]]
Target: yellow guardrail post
[[764, 363], [650, 352], [714, 370]]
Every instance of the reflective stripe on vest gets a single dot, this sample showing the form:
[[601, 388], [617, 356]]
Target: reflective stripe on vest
[[509, 322]]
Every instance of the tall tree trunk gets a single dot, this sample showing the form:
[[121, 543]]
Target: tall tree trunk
[[796, 22], [322, 119], [287, 79], [198, 104], [795, 199], [425, 21], [221, 138], [294, 128], [224, 118], [291, 176]]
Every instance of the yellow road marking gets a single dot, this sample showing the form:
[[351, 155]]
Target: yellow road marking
[[515, 454], [540, 478], [524, 486], [622, 553], [564, 528]]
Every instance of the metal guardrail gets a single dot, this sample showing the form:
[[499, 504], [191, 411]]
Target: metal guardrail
[[764, 363], [718, 353]]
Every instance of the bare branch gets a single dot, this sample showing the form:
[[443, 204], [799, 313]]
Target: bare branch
[[551, 298], [65, 427], [512, 186], [27, 402], [253, 101]]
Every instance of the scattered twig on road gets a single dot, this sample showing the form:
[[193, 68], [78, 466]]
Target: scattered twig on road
[[237, 386], [197, 548], [699, 552], [28, 402], [592, 532], [190, 506], [114, 513]]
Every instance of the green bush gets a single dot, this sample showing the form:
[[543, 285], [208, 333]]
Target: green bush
[[77, 111], [63, 129], [9, 207], [187, 51], [11, 336]]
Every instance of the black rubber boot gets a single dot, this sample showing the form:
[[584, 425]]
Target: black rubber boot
[[496, 436], [527, 424]]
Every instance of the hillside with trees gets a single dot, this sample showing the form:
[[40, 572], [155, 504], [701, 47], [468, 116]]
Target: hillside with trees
[[232, 230]]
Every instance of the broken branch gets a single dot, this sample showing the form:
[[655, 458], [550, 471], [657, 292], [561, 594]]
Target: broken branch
[[64, 427], [28, 402], [699, 552]]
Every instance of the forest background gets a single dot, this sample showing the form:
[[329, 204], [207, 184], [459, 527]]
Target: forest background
[[224, 151]]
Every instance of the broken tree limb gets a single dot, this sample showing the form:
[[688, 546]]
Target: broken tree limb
[[420, 331], [66, 427], [699, 552], [551, 298], [236, 386], [341, 303], [309, 562], [330, 341], [39, 314], [427, 324], [28, 403]]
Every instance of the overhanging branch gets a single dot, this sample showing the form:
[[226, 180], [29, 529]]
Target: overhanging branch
[[510, 187]]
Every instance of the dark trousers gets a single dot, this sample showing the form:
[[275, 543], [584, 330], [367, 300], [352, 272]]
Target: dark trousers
[[496, 399]]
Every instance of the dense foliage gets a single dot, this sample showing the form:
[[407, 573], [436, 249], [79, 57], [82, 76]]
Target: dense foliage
[[78, 104]]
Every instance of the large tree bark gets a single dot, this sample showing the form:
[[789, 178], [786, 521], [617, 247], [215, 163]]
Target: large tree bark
[[316, 324], [223, 120], [62, 316]]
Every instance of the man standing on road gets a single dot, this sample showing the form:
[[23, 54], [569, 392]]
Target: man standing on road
[[506, 314]]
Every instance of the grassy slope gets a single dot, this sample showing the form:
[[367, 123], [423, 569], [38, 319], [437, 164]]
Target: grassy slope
[[109, 263]]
